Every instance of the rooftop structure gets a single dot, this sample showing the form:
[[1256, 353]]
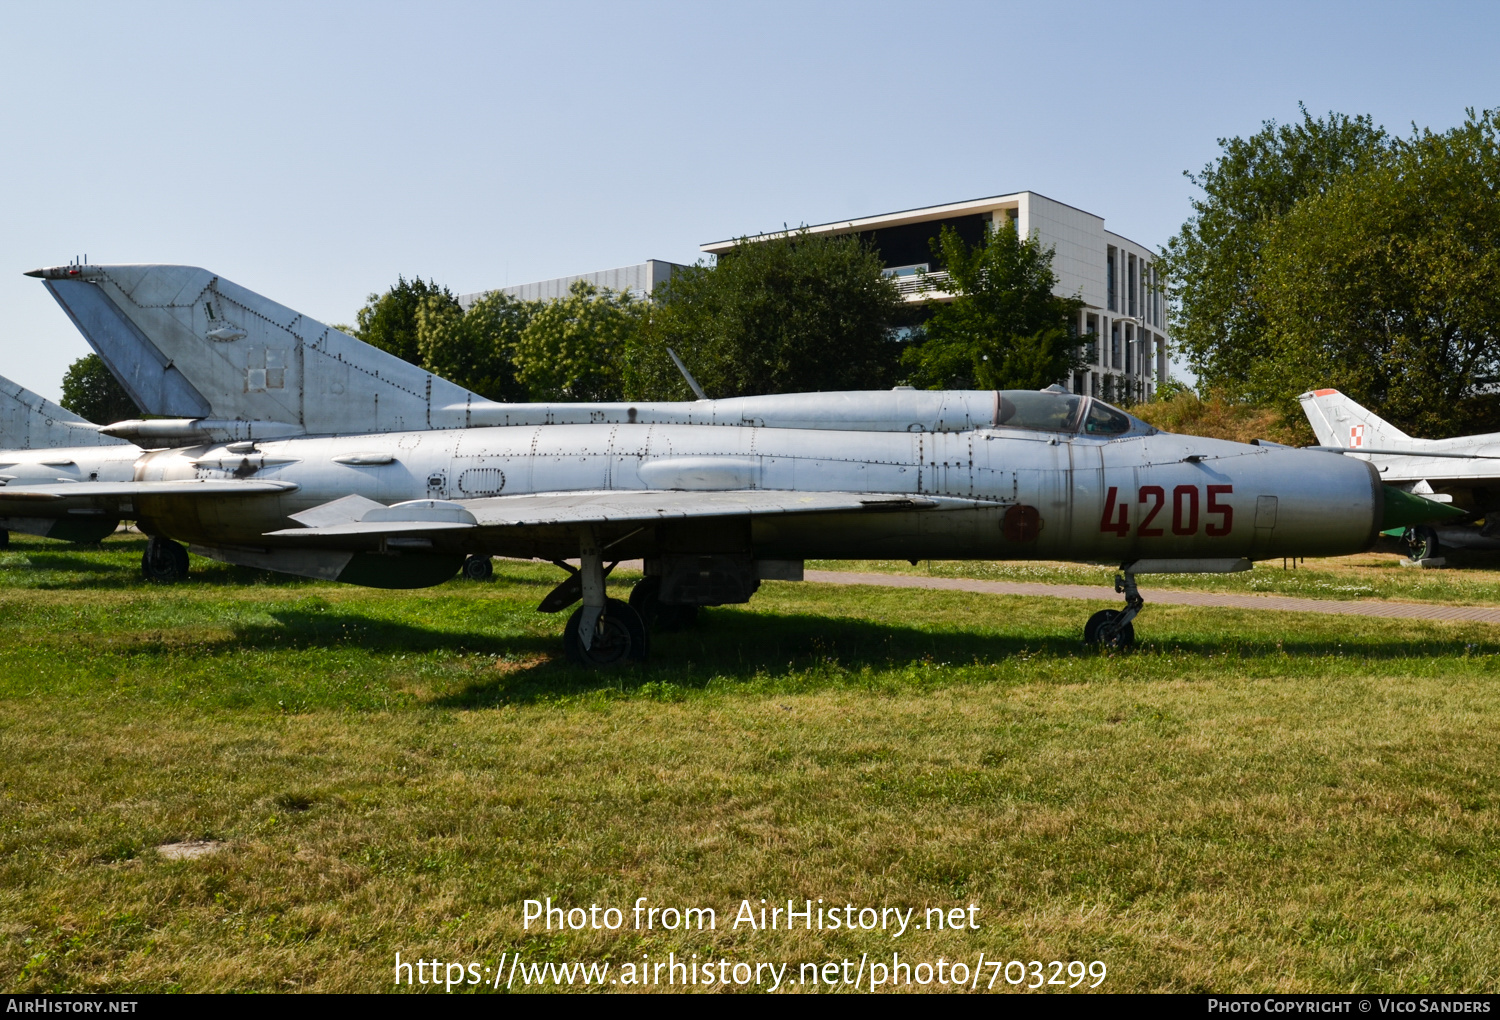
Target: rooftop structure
[[639, 280]]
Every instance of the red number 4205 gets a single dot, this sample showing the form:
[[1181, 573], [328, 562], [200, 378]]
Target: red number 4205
[[1184, 500]]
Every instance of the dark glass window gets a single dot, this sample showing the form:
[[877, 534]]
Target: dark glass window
[[1109, 279], [1046, 410], [1104, 420]]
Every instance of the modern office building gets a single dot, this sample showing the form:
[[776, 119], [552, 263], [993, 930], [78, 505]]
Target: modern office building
[[639, 280], [1124, 315]]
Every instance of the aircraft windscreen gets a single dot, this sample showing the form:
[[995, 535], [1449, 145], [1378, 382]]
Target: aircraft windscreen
[[1038, 409], [1104, 420]]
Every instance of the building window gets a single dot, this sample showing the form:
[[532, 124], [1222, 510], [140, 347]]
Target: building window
[[1109, 280], [1130, 285], [1114, 345], [1129, 345], [1091, 332]]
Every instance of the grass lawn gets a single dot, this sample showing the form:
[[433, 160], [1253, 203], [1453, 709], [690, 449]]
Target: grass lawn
[[1251, 801], [1473, 581]]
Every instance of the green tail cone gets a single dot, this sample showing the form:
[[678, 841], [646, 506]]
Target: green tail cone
[[1402, 510]]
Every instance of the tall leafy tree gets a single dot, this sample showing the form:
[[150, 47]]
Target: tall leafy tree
[[475, 348], [800, 313], [90, 391], [1387, 285], [1213, 263], [573, 348], [1006, 329], [389, 320]]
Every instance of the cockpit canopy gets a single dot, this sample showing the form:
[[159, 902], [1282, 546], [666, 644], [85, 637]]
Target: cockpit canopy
[[1051, 411]]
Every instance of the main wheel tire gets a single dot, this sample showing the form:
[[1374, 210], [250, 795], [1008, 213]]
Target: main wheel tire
[[619, 638], [645, 599], [1423, 543], [1094, 631], [164, 561], [479, 568]]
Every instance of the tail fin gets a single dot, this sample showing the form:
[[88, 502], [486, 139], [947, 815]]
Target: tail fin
[[1339, 421], [29, 421], [186, 343]]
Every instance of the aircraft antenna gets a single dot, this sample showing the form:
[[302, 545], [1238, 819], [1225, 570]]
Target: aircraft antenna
[[692, 383]]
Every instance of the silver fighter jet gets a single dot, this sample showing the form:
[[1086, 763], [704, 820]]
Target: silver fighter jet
[[1463, 471], [391, 477]]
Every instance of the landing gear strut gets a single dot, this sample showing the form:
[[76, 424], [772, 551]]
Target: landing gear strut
[[1112, 628], [164, 561], [603, 631]]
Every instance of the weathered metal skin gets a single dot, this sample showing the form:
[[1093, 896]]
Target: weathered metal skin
[[261, 392], [1094, 499]]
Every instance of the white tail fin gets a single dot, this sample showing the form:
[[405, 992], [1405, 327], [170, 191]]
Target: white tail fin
[[29, 421], [1339, 421], [186, 343]]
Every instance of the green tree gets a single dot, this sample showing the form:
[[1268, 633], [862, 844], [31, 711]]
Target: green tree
[[574, 348], [90, 391], [1387, 285], [474, 348], [1006, 329], [1213, 263], [389, 320], [796, 314]]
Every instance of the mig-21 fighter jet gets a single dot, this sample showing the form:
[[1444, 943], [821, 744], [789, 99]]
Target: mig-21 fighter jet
[[1463, 471], [394, 476], [40, 441]]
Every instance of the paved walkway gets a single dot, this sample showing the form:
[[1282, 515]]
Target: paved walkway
[[1278, 603]]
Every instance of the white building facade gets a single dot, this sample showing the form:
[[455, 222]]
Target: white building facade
[[638, 280], [1124, 318]]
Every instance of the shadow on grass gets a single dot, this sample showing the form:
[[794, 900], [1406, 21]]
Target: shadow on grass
[[747, 648]]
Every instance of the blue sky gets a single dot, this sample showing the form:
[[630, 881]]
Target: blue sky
[[314, 151]]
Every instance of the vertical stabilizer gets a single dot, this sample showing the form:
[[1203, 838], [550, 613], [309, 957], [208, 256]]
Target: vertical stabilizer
[[29, 421], [187, 343], [1339, 421]]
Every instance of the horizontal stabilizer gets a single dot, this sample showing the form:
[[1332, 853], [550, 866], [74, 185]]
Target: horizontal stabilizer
[[217, 487], [602, 507]]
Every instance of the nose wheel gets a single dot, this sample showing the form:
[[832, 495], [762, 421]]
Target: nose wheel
[[1114, 628], [1422, 543]]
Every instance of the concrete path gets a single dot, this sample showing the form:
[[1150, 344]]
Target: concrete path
[[1278, 603]]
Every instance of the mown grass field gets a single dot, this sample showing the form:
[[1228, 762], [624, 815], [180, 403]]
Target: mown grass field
[[1251, 801], [1474, 580]]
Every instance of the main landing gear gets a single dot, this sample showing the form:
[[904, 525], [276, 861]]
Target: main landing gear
[[1112, 628], [479, 568], [645, 599], [164, 561], [603, 632]]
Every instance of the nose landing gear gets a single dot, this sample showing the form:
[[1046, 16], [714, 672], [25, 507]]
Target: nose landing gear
[[1112, 628]]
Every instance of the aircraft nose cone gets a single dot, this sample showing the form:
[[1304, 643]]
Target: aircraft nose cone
[[1402, 510]]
